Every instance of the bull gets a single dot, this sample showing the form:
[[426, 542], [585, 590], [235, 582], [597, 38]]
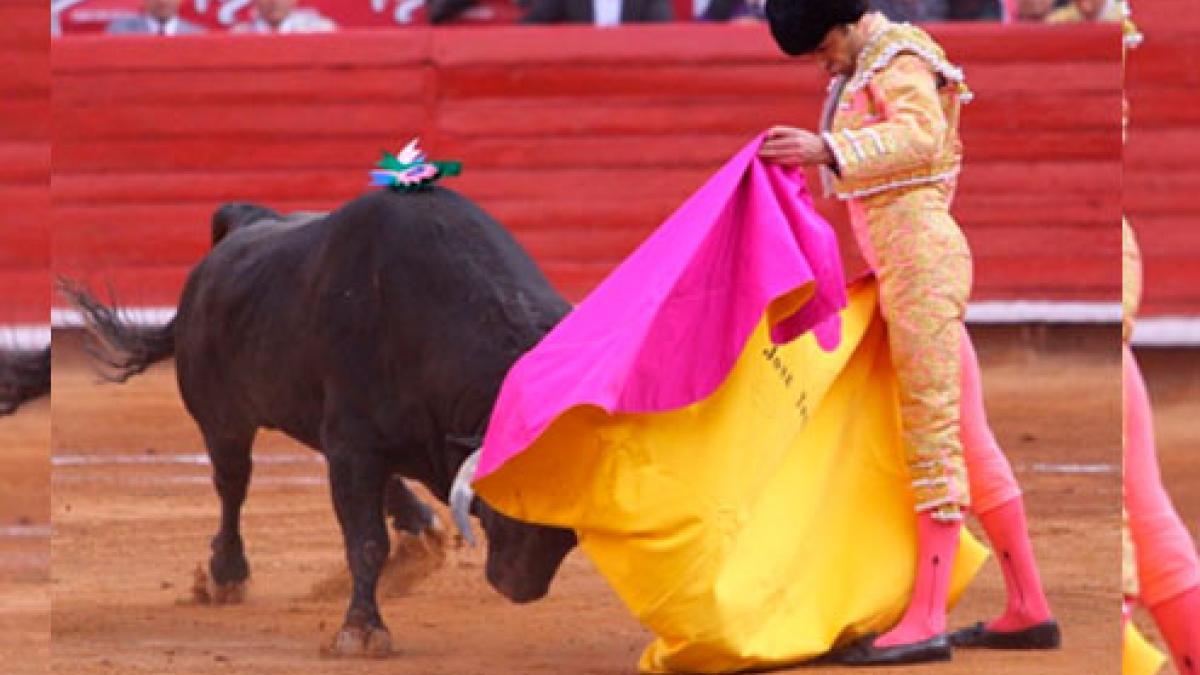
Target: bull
[[379, 335], [24, 376]]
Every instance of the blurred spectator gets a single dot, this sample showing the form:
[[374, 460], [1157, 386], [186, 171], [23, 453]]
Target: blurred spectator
[[913, 10], [441, 12], [896, 10], [975, 10], [1087, 10], [447, 11], [735, 11], [281, 16], [158, 17], [1036, 10], [598, 12]]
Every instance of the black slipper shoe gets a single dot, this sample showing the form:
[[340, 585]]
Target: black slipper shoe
[[1045, 635], [863, 652]]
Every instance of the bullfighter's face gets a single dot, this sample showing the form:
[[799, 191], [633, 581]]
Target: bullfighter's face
[[838, 52]]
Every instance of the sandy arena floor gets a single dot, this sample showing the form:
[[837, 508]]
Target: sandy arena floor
[[25, 540], [133, 512]]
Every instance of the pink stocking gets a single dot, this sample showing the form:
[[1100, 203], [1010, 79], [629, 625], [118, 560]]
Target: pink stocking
[[1178, 620], [1168, 571], [1009, 536], [937, 544], [996, 499]]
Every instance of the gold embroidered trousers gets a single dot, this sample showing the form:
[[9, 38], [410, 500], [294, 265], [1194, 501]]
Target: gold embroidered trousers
[[923, 265]]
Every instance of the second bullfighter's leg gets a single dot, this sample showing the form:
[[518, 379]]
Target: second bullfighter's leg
[[229, 452], [358, 479]]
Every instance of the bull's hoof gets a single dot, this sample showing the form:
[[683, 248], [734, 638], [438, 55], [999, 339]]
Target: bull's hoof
[[228, 594], [205, 591], [358, 642]]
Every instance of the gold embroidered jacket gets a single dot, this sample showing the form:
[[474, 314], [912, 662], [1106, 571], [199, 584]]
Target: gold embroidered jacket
[[890, 124]]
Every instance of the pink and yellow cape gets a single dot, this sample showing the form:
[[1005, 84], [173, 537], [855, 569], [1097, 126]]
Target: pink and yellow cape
[[718, 422]]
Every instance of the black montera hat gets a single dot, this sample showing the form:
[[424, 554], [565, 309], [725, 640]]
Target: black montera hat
[[799, 26]]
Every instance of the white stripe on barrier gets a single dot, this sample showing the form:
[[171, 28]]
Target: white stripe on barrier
[[1029, 311], [139, 316], [293, 459], [1169, 331], [24, 336]]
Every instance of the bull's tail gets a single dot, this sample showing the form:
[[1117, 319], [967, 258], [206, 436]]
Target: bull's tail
[[121, 348], [24, 376]]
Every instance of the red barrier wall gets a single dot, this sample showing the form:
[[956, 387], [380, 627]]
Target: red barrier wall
[[24, 162], [579, 140], [1162, 171]]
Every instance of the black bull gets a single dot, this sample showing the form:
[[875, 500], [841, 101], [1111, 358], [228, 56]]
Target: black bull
[[24, 376], [379, 335]]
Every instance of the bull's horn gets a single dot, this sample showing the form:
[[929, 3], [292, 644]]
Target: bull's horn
[[461, 496]]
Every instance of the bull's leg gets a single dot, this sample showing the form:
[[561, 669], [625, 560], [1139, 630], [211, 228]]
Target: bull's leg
[[358, 479], [229, 452]]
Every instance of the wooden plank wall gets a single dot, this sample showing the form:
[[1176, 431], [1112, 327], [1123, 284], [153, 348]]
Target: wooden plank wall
[[1162, 171], [579, 140], [24, 162]]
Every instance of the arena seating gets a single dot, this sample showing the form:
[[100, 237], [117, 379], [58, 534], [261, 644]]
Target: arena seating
[[579, 140]]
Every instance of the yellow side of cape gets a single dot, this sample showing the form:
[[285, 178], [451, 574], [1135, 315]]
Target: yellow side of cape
[[1138, 656], [758, 527]]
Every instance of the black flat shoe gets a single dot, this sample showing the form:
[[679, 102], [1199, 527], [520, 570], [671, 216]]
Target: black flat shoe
[[1045, 635], [863, 652]]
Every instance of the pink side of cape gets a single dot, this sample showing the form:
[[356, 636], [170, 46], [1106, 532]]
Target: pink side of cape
[[666, 326]]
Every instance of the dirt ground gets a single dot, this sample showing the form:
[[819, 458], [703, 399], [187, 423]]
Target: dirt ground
[[133, 512], [25, 540]]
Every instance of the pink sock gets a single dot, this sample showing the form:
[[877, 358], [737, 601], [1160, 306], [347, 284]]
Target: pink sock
[[1178, 620], [937, 543], [1167, 562], [1009, 536], [990, 476], [997, 501]]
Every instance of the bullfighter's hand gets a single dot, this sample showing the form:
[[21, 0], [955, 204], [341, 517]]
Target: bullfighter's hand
[[790, 146]]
